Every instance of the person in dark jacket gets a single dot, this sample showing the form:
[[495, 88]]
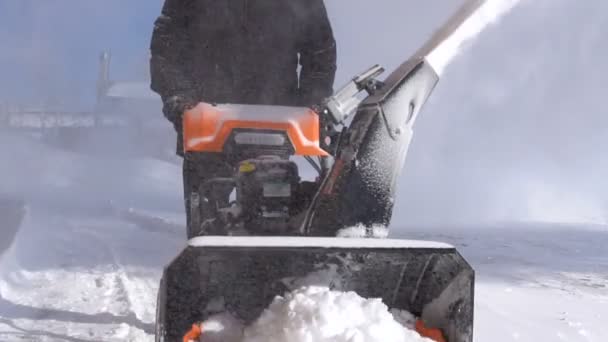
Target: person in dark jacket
[[242, 52]]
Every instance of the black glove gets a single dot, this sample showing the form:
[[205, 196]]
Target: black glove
[[174, 108]]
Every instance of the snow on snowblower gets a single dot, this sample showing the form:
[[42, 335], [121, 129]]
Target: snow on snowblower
[[278, 232]]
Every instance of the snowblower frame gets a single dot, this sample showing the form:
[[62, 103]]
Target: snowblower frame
[[243, 275]]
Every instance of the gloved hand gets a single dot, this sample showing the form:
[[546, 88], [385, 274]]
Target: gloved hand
[[174, 108], [194, 334]]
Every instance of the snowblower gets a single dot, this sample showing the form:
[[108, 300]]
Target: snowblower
[[278, 233]]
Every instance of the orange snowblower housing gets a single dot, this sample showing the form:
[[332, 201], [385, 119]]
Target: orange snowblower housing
[[207, 127]]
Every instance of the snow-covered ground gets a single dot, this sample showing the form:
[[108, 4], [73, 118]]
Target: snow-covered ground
[[535, 281], [80, 267], [79, 270]]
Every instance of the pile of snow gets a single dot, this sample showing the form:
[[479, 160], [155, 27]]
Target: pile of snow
[[320, 315]]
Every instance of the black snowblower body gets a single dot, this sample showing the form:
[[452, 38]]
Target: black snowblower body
[[279, 233]]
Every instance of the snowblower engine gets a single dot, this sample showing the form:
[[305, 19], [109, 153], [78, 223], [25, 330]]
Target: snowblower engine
[[265, 190], [258, 142], [264, 194]]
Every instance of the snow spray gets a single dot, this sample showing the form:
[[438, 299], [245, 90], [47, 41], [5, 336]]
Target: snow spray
[[489, 12]]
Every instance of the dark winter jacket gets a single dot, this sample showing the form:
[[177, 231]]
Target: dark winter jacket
[[242, 51]]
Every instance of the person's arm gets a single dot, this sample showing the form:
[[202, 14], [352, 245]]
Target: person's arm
[[317, 54], [170, 61]]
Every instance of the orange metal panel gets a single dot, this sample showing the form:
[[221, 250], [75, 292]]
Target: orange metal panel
[[207, 127]]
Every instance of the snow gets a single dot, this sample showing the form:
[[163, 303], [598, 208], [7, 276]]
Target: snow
[[535, 281], [489, 12], [77, 271], [132, 90], [223, 327], [302, 242], [362, 231], [317, 314], [320, 315]]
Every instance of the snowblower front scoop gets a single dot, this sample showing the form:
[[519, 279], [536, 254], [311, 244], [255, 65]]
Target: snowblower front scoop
[[242, 275]]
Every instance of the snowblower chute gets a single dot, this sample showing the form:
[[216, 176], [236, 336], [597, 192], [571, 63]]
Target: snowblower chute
[[242, 275]]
